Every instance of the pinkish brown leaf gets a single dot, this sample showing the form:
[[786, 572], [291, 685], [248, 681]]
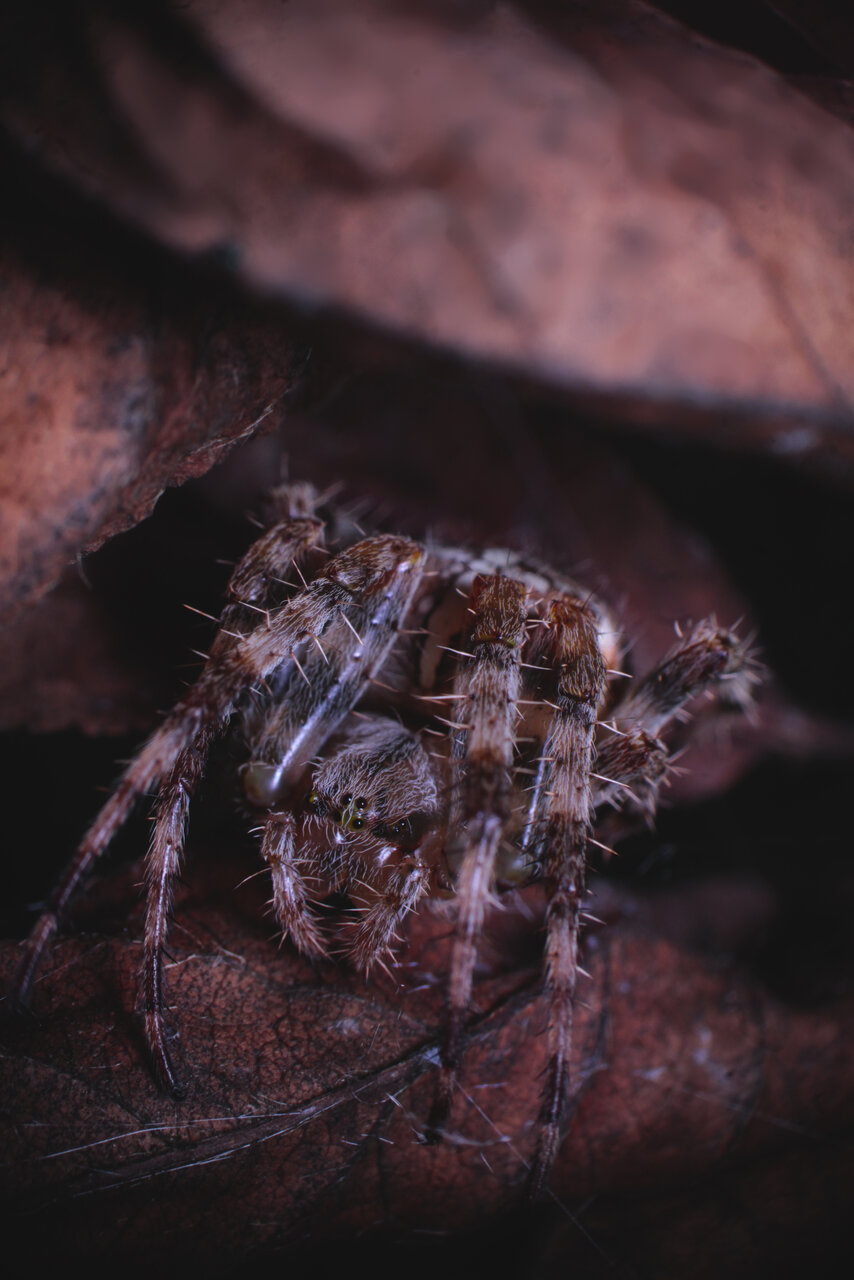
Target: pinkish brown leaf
[[115, 384], [307, 1092], [591, 196]]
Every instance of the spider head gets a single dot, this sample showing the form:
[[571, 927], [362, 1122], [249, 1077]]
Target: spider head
[[378, 783], [357, 816]]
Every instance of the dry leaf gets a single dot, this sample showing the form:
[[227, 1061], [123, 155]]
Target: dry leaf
[[597, 202], [116, 381], [590, 195], [307, 1092]]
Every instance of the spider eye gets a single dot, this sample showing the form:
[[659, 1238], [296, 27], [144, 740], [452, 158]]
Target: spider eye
[[345, 800], [361, 803], [357, 824]]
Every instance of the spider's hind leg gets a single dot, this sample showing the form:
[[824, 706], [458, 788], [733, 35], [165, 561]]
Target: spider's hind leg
[[707, 659], [629, 769], [633, 760]]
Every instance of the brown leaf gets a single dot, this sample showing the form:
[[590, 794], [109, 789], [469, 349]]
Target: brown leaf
[[620, 210], [117, 381], [307, 1092], [591, 196]]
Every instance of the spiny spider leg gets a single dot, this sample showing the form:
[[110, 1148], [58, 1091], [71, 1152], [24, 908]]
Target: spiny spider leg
[[290, 899], [632, 762], [630, 767], [173, 804], [203, 711], [557, 839], [395, 894], [260, 580], [708, 657], [374, 583], [483, 753]]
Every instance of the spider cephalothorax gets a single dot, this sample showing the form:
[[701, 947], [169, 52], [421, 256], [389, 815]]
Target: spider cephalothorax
[[416, 720]]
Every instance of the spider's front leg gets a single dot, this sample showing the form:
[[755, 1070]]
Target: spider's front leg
[[556, 839], [486, 690], [189, 727], [359, 599]]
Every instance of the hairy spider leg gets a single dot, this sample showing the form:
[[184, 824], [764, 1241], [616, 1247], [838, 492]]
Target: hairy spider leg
[[290, 898], [205, 708], [632, 763], [374, 583], [393, 892], [630, 767], [173, 803], [488, 688], [707, 657], [262, 580], [557, 839]]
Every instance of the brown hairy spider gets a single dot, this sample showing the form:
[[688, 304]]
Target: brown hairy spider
[[483, 694]]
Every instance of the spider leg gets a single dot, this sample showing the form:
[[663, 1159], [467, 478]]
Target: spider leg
[[375, 582], [708, 657], [389, 895], [290, 898], [197, 717], [488, 682], [630, 767], [173, 804], [632, 763], [359, 599], [557, 838]]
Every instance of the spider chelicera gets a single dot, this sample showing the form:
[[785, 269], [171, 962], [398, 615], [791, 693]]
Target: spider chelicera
[[418, 720]]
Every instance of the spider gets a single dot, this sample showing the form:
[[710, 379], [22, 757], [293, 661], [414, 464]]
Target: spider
[[419, 720]]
